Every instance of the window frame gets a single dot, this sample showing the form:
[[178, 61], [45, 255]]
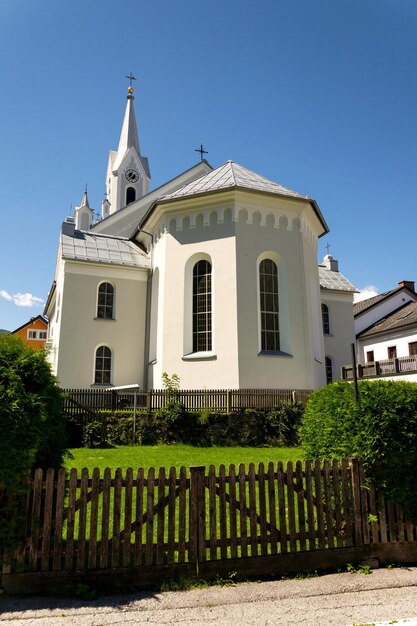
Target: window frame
[[105, 305], [269, 338], [392, 352], [411, 347], [328, 364], [103, 370], [202, 318], [325, 318], [33, 332], [368, 360]]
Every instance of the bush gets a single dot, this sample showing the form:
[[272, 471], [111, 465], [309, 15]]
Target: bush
[[174, 424], [31, 422], [381, 429]]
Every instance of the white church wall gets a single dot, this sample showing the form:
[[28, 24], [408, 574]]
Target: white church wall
[[175, 253], [289, 369], [234, 236], [81, 333], [337, 344]]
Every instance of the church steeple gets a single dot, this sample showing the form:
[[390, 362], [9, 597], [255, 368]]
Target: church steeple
[[129, 135], [128, 172]]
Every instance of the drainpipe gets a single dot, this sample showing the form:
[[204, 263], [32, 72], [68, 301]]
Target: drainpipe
[[147, 318]]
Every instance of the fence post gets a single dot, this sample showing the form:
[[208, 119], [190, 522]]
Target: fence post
[[197, 551], [356, 502], [149, 401], [113, 400], [228, 400]]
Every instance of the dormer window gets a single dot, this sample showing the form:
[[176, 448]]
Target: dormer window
[[130, 195]]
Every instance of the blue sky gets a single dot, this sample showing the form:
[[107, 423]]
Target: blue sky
[[318, 96]]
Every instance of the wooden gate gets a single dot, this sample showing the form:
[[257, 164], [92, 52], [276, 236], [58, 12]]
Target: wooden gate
[[115, 531]]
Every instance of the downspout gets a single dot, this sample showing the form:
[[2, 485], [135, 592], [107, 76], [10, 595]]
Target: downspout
[[147, 317]]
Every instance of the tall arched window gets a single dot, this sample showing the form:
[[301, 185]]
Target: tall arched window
[[102, 371], [105, 301], [130, 195], [329, 370], [325, 319], [202, 307], [269, 305]]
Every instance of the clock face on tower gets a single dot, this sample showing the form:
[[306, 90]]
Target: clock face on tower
[[131, 176]]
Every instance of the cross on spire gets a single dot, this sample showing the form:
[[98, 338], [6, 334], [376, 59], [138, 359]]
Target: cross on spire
[[130, 78], [201, 151], [328, 247]]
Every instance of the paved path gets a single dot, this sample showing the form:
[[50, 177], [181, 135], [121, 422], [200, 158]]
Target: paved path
[[337, 599]]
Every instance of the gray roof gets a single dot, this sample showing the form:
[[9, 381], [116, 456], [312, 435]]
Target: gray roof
[[334, 281], [405, 315], [232, 174], [97, 248], [364, 305]]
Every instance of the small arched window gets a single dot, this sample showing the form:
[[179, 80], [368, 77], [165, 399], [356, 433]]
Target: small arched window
[[269, 305], [325, 319], [105, 302], [102, 371], [329, 370], [130, 195], [202, 336]]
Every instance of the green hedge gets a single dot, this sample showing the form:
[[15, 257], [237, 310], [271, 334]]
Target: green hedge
[[381, 429], [277, 427], [32, 425]]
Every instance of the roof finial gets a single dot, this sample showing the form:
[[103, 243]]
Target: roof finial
[[130, 89], [201, 151], [328, 247]]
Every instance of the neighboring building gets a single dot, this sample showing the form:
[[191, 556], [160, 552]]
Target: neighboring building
[[34, 332], [386, 333], [212, 276]]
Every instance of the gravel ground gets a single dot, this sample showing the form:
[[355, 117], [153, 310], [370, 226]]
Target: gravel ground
[[383, 597]]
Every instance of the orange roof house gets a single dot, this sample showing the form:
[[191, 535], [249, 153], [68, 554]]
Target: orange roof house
[[34, 332]]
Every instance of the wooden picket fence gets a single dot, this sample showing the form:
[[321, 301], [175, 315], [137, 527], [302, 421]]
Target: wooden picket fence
[[138, 528], [87, 402]]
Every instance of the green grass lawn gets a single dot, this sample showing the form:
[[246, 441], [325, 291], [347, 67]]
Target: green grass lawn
[[176, 456]]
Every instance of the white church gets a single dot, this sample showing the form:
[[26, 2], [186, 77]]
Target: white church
[[212, 276]]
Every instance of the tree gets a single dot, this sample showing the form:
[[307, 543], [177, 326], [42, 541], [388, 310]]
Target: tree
[[32, 425]]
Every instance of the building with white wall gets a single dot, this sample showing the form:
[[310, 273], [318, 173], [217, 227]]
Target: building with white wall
[[212, 276], [386, 333]]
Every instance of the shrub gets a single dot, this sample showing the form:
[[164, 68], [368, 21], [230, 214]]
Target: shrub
[[31, 423], [381, 429], [282, 424]]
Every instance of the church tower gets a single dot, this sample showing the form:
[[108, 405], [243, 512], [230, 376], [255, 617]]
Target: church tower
[[83, 214], [128, 174]]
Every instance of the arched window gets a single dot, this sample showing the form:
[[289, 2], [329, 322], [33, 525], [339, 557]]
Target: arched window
[[325, 319], [105, 302], [329, 370], [202, 307], [269, 305], [102, 372], [130, 195]]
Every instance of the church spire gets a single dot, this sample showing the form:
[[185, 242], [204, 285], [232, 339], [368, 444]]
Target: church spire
[[129, 135], [84, 201], [128, 175]]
